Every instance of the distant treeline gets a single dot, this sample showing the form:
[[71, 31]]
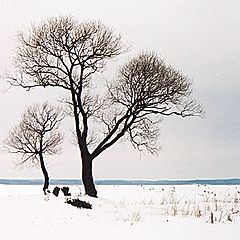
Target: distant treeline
[[123, 182]]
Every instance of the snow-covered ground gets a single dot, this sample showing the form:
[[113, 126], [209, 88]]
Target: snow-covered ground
[[122, 212]]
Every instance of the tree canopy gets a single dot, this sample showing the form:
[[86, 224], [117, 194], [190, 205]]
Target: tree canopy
[[36, 135], [61, 52]]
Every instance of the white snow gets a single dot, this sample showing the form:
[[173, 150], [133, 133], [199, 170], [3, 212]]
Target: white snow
[[122, 212]]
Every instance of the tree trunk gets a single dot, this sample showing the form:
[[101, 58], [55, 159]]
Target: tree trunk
[[45, 174], [87, 176]]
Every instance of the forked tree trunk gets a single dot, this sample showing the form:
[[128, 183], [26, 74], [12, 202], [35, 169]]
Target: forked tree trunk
[[87, 176], [45, 174]]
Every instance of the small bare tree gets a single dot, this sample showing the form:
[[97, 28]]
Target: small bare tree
[[63, 53], [36, 134]]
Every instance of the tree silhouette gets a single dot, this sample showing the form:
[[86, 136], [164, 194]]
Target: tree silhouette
[[61, 52], [35, 136]]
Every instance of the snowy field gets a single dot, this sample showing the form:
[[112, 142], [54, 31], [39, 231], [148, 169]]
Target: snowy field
[[122, 212]]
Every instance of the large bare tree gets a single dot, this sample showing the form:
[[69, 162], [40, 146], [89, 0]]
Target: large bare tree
[[61, 52], [35, 136]]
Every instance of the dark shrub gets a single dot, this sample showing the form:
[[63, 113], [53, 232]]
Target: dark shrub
[[56, 191], [79, 204]]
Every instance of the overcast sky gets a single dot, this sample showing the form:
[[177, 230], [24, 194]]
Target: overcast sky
[[199, 37]]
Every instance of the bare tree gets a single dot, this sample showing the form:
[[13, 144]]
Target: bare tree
[[36, 134], [63, 53]]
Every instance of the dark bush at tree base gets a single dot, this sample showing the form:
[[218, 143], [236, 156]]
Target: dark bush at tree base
[[65, 191], [79, 204], [56, 191]]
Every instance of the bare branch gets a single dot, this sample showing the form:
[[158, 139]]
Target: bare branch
[[145, 87], [36, 133]]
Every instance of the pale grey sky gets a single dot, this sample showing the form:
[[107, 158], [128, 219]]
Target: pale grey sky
[[199, 37]]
